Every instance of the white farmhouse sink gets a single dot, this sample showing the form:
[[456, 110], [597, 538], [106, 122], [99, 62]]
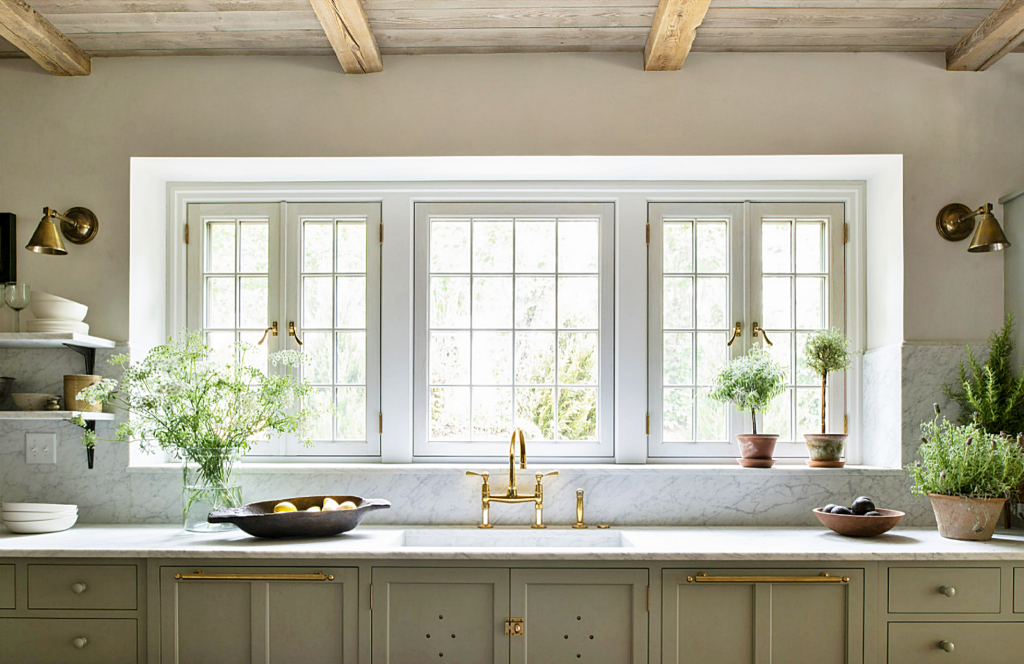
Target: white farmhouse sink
[[513, 538]]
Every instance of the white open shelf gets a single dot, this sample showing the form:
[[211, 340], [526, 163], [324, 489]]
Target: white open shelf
[[51, 415], [51, 340]]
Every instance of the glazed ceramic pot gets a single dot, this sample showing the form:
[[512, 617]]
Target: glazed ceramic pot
[[756, 449], [75, 383], [825, 449], [963, 518]]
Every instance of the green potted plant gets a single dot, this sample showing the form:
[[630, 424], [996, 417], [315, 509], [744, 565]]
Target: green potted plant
[[968, 474], [826, 351], [206, 413], [752, 382]]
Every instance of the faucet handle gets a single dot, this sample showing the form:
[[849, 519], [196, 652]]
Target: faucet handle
[[550, 473], [484, 475]]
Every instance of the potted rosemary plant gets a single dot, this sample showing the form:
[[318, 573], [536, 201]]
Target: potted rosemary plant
[[752, 382], [968, 474], [826, 351], [206, 413]]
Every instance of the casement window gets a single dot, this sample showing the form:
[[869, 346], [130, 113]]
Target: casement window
[[771, 274], [513, 328], [302, 276]]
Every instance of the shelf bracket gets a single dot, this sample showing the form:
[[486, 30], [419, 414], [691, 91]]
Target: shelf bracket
[[89, 354]]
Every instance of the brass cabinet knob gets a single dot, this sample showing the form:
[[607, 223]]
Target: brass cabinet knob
[[946, 645], [80, 642], [948, 591], [78, 588]]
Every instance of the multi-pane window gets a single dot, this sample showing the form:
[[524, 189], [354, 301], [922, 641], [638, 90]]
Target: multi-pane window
[[513, 328], [321, 294], [716, 266]]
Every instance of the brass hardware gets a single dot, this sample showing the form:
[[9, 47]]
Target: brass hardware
[[272, 330], [515, 627], [382, 232], [78, 225], [512, 494], [380, 423], [737, 330], [846, 233], [846, 424], [186, 232], [947, 646], [948, 591], [291, 332], [579, 510], [603, 526], [648, 424], [648, 232], [955, 222], [824, 577], [758, 329], [199, 576]]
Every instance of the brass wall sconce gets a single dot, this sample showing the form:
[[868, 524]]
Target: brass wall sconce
[[956, 221], [78, 225]]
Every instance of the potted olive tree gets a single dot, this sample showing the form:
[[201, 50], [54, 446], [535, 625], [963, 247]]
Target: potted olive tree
[[752, 382], [826, 351], [968, 474]]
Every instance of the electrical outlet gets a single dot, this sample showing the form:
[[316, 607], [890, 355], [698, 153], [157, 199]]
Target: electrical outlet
[[41, 448]]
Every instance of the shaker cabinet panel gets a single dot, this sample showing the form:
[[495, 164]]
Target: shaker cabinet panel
[[262, 615], [6, 586], [76, 587], [760, 616], [440, 615], [956, 643], [944, 589], [1018, 590], [63, 641], [596, 616]]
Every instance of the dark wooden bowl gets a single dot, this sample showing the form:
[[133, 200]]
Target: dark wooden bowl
[[852, 525], [260, 520]]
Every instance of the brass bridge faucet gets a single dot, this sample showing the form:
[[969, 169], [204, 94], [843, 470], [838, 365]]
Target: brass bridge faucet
[[512, 495]]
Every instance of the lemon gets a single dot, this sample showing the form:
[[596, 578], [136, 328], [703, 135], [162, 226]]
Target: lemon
[[314, 508], [347, 505], [285, 507], [330, 504]]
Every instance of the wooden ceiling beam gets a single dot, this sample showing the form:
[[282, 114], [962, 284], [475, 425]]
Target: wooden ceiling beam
[[38, 39], [675, 26], [349, 32], [997, 35]]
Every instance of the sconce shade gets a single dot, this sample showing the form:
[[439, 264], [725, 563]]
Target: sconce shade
[[989, 235], [46, 239]]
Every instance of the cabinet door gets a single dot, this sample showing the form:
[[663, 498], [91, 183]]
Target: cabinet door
[[591, 616], [439, 615], [6, 586], [64, 640], [257, 614], [956, 643], [755, 619]]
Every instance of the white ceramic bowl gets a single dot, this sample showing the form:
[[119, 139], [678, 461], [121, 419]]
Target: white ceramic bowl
[[37, 516], [52, 325], [35, 527], [30, 400], [58, 309], [37, 507]]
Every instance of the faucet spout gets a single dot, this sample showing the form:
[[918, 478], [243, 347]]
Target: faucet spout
[[512, 493]]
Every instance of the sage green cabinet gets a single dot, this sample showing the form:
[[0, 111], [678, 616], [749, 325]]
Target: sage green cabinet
[[112, 587], [67, 640], [265, 615], [1018, 590], [440, 615], [956, 643], [760, 616], [944, 589], [6, 586], [581, 615]]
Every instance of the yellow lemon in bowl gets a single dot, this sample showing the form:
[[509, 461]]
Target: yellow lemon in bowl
[[285, 506], [347, 505], [330, 504], [314, 508]]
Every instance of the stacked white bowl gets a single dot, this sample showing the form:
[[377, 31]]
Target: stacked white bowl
[[56, 314], [34, 518]]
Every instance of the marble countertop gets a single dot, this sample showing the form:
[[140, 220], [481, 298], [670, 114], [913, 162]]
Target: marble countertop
[[555, 543]]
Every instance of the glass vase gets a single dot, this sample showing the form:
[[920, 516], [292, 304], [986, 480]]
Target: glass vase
[[210, 482]]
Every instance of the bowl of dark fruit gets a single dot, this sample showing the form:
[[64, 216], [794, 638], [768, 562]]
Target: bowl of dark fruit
[[861, 519]]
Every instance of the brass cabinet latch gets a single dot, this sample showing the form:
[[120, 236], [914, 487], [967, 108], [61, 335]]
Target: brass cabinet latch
[[514, 627]]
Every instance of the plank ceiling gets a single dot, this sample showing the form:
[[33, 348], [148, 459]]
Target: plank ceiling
[[290, 27]]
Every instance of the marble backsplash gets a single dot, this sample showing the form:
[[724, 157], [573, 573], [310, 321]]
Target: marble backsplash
[[910, 375]]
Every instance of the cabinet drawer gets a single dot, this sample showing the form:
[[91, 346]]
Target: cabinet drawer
[[944, 589], [6, 586], [82, 587], [1018, 590], [77, 641], [968, 643]]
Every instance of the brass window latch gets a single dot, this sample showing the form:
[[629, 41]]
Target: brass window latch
[[758, 329], [272, 330], [737, 330], [515, 626]]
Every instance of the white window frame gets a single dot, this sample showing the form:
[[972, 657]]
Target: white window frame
[[631, 199], [603, 446]]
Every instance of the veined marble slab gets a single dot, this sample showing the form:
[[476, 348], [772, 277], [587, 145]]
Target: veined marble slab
[[641, 544]]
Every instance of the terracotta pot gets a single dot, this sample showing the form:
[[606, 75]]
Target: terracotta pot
[[75, 383], [825, 446], [756, 449], [964, 518]]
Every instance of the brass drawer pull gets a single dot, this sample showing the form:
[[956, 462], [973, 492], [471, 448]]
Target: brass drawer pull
[[199, 576], [946, 645], [78, 588], [80, 642], [824, 577], [948, 591]]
